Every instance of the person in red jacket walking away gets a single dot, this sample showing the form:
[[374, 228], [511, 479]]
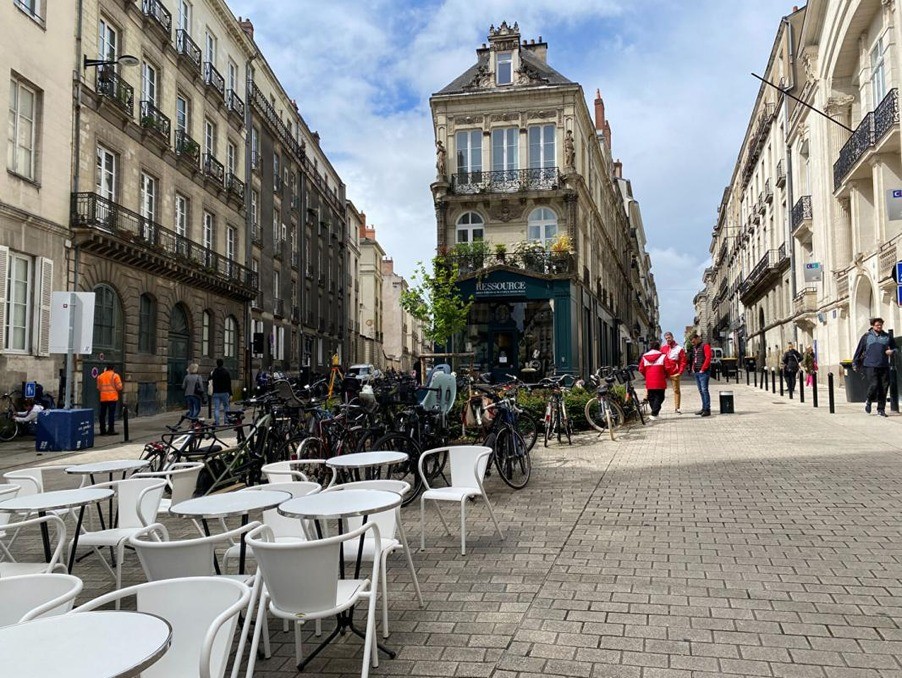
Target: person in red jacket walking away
[[701, 364], [655, 366], [677, 355]]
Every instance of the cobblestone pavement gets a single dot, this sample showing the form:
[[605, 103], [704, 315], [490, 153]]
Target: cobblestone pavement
[[765, 543]]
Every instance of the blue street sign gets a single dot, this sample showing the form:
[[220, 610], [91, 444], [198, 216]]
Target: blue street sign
[[897, 193], [899, 294], [898, 275], [29, 389]]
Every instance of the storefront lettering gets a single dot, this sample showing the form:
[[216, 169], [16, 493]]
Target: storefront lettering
[[500, 289]]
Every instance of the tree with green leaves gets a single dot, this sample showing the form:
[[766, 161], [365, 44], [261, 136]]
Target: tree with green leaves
[[434, 299]]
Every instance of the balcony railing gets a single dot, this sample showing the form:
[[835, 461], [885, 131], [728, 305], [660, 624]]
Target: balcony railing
[[154, 10], [235, 104], [295, 314], [235, 186], [781, 254], [214, 169], [187, 49], [214, 79], [781, 174], [187, 148], [154, 121], [805, 301], [870, 131], [801, 211], [505, 181], [540, 262], [278, 307], [768, 192], [258, 99], [113, 88], [256, 234], [90, 210]]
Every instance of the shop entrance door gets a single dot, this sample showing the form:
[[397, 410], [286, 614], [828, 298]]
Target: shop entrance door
[[504, 354]]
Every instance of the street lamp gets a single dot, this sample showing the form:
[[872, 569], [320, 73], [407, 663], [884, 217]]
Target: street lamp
[[125, 60]]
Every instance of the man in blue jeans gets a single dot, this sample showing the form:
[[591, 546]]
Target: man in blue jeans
[[701, 364], [874, 352], [221, 381]]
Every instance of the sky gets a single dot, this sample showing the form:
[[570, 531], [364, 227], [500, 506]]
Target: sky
[[674, 74]]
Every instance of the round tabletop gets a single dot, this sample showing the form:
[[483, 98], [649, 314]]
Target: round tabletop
[[84, 645], [108, 466], [229, 504], [364, 459], [60, 499], [340, 504]]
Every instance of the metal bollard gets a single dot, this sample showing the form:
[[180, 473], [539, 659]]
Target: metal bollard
[[124, 421], [773, 381], [814, 389], [756, 378], [746, 376], [781, 383], [801, 390], [830, 393]]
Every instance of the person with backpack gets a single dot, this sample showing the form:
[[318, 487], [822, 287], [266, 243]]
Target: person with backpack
[[875, 350], [790, 363]]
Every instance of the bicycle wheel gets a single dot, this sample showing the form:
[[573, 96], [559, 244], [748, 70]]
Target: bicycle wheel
[[512, 458], [566, 423], [637, 404], [559, 416], [8, 428], [528, 427], [407, 470], [549, 422]]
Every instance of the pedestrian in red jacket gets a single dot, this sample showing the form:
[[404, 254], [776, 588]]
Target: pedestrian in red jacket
[[656, 366]]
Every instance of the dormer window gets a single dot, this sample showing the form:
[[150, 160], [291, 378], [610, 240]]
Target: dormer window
[[504, 68]]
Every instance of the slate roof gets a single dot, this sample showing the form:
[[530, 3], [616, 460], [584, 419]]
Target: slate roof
[[546, 74]]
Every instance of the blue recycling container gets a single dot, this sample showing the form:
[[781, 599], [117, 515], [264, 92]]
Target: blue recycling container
[[60, 430]]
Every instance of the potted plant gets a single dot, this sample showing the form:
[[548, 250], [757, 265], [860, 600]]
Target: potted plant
[[532, 255], [561, 251], [500, 252], [479, 249]]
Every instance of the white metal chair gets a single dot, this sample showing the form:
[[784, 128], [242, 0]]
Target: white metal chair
[[30, 596], [181, 479], [302, 584], [34, 480], [298, 469], [468, 464], [388, 522], [164, 559], [137, 501], [12, 567], [203, 613]]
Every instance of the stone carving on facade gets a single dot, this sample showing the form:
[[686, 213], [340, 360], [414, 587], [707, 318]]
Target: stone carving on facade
[[466, 119], [569, 151], [440, 158], [505, 211], [482, 78], [541, 115], [837, 102], [809, 61], [504, 117], [527, 75]]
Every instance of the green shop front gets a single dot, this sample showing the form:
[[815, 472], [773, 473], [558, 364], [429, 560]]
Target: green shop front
[[522, 325]]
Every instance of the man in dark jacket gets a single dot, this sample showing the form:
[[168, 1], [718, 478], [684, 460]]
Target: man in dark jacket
[[790, 363], [221, 381], [873, 354], [700, 366]]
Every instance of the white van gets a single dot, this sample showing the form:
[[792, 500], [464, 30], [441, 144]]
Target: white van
[[716, 355]]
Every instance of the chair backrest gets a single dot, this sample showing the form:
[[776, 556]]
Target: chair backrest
[[203, 613], [283, 389], [181, 478], [138, 500], [282, 472], [285, 526], [8, 492], [468, 464], [30, 596], [300, 577], [32, 480]]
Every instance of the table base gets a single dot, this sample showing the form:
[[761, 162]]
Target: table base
[[345, 623]]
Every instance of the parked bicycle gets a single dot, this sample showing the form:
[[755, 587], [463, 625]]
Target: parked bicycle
[[603, 412], [557, 422]]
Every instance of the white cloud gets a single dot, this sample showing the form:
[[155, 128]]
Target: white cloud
[[674, 76]]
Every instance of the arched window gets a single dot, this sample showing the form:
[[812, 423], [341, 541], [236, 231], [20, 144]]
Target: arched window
[[542, 225], [470, 227], [206, 333], [107, 320], [230, 338], [147, 324]]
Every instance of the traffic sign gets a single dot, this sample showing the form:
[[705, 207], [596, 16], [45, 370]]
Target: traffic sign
[[30, 389], [899, 294]]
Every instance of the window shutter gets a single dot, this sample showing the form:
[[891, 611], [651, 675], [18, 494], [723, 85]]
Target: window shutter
[[4, 267], [43, 303]]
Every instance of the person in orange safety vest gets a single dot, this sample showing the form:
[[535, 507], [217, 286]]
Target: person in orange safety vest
[[110, 386]]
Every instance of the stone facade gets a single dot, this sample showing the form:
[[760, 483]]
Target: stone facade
[[371, 296]]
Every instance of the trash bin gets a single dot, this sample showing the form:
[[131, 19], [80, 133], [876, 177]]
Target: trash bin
[[60, 430], [856, 383], [726, 402]]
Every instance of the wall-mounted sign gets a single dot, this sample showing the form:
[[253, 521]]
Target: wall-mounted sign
[[894, 204], [507, 288], [814, 272]]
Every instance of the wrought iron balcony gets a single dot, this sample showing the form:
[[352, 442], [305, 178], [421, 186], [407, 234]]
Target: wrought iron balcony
[[768, 192], [764, 274], [114, 89], [295, 314], [870, 131], [153, 120], [235, 104], [256, 234], [278, 307], [235, 186], [159, 15], [801, 212], [186, 148], [214, 169], [781, 174], [505, 181], [214, 79], [109, 229], [805, 301], [534, 262], [295, 260], [188, 50]]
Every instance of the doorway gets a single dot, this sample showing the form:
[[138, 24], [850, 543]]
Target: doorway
[[179, 355]]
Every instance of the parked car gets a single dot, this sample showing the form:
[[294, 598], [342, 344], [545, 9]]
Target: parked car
[[364, 373]]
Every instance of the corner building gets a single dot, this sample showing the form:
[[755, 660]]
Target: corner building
[[529, 210]]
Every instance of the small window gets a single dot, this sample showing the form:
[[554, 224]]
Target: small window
[[23, 121], [147, 325], [32, 8], [505, 68], [18, 302], [182, 114], [542, 226], [470, 228], [230, 338], [206, 332]]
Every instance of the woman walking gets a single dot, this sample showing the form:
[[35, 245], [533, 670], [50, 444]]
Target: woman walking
[[809, 363], [194, 391]]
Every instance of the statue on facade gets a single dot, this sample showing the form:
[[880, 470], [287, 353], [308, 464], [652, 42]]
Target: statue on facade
[[569, 151], [440, 156]]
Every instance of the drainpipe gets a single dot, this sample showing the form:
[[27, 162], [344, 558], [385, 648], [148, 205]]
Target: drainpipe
[[790, 198]]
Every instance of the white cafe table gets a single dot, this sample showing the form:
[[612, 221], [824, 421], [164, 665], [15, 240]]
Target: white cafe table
[[84, 645], [43, 502], [350, 465], [90, 469], [226, 505]]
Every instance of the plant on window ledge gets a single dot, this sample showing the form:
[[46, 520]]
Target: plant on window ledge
[[151, 122], [532, 254], [190, 148], [500, 252]]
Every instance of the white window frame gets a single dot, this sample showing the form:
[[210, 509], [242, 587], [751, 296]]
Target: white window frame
[[473, 229], [209, 137], [231, 156], [107, 173], [206, 326], [181, 215], [149, 186], [232, 76], [504, 68], [878, 71], [183, 18], [209, 228], [33, 8], [231, 242], [505, 149], [468, 146], [182, 113], [149, 78], [542, 141], [255, 207], [210, 47], [107, 41], [229, 335], [540, 228], [17, 160], [10, 304]]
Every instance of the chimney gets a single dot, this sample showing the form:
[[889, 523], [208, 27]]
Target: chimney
[[599, 111], [361, 229], [247, 27], [388, 266], [607, 134], [618, 169]]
